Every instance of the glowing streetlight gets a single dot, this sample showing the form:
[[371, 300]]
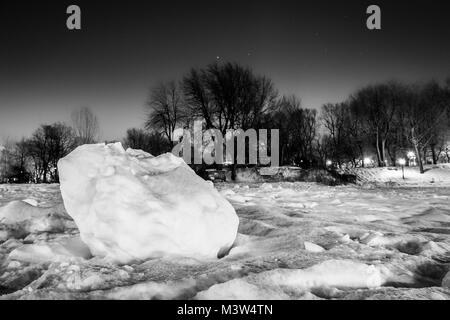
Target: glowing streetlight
[[367, 161], [329, 163], [402, 162]]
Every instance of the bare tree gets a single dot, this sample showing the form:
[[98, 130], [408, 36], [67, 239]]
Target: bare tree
[[153, 143], [20, 167], [228, 96], [376, 105], [6, 151], [165, 109], [48, 144], [298, 131], [85, 125], [426, 110], [335, 120]]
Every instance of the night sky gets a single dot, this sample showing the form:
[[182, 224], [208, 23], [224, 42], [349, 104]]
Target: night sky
[[318, 50]]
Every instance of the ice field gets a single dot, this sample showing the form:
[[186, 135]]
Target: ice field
[[295, 241]]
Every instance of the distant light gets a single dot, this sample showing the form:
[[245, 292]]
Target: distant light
[[402, 162], [367, 161], [329, 163], [411, 155]]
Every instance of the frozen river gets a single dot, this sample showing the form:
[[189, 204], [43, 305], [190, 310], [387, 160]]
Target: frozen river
[[295, 241]]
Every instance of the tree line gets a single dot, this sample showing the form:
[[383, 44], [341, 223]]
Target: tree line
[[389, 120], [35, 159], [383, 121], [227, 96]]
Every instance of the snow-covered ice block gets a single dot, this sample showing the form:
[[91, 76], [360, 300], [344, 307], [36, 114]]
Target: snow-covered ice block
[[62, 250], [293, 283], [312, 247], [26, 218], [32, 202], [130, 205]]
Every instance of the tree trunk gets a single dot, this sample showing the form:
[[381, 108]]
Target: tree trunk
[[433, 154], [419, 158], [362, 156], [424, 154], [380, 162], [383, 151], [392, 156], [44, 176], [233, 172]]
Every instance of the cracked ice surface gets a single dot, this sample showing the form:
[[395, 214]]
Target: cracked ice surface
[[376, 243]]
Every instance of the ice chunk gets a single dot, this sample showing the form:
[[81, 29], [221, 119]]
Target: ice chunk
[[239, 289], [27, 218], [130, 205], [62, 250], [312, 247], [294, 283], [153, 290], [32, 202]]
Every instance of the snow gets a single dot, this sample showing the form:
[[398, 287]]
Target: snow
[[20, 218], [312, 247], [295, 283], [152, 290], [32, 202], [248, 175], [434, 176], [377, 243], [446, 281], [132, 206], [63, 250]]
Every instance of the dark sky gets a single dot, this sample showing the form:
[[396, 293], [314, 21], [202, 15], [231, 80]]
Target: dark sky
[[318, 50]]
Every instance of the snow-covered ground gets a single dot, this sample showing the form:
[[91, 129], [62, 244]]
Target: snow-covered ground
[[434, 176], [296, 241]]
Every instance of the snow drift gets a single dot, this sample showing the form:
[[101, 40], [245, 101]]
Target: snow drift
[[130, 205], [20, 218], [288, 283], [61, 250]]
